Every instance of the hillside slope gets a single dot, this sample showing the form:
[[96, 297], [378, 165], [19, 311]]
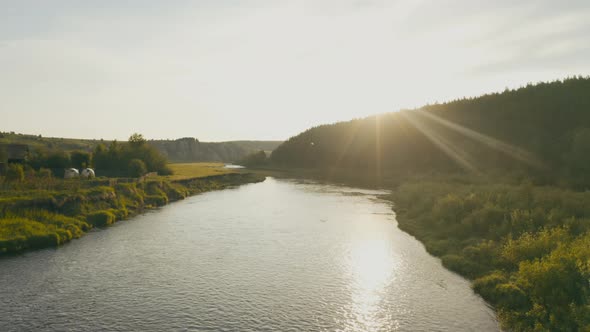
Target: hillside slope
[[464, 176], [191, 150], [541, 129], [180, 150]]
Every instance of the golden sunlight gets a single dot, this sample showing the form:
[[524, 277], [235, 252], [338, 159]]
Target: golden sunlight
[[371, 265]]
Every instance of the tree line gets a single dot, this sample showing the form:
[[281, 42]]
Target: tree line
[[541, 131], [497, 186], [122, 159]]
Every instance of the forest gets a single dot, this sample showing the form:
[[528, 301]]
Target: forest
[[541, 132], [494, 185], [133, 158]]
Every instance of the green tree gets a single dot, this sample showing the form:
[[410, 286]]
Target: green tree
[[57, 159], [80, 159], [44, 173], [3, 155], [136, 168], [115, 160], [254, 159], [137, 140], [100, 158]]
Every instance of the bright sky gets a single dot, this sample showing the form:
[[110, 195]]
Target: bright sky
[[267, 69]]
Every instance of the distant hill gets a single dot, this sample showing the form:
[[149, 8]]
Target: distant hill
[[191, 150], [180, 150], [541, 129], [50, 143]]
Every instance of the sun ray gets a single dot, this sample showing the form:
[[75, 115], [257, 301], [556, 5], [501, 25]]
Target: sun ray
[[378, 147], [345, 147], [510, 150], [444, 145]]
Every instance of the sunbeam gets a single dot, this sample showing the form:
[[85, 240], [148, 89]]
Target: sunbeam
[[510, 150], [378, 147], [444, 145]]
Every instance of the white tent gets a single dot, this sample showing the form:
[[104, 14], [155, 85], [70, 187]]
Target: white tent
[[71, 173], [88, 173]]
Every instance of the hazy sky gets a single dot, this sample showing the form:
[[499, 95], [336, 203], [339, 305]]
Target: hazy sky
[[223, 70]]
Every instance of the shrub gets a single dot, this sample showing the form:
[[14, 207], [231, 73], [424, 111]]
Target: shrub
[[15, 172], [57, 160], [448, 209], [44, 173], [156, 200], [461, 265], [119, 214], [136, 168], [80, 159], [101, 218], [254, 159]]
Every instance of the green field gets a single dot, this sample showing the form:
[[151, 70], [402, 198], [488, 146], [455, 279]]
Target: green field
[[44, 212], [184, 171]]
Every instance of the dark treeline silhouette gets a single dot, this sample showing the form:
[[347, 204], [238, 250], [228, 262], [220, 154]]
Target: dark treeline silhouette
[[540, 130], [256, 159], [495, 185], [133, 158], [190, 149]]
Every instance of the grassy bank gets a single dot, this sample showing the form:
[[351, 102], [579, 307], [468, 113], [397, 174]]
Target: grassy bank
[[40, 213], [526, 248]]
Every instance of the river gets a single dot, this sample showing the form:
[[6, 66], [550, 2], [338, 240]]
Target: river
[[279, 255]]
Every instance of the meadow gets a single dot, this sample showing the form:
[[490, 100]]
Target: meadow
[[183, 171], [40, 212]]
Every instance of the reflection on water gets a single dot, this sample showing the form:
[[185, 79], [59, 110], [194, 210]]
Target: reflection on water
[[273, 256], [371, 265]]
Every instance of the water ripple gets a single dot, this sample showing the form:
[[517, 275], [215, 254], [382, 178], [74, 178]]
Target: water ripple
[[274, 256]]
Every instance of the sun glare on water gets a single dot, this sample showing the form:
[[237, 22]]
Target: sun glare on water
[[371, 266]]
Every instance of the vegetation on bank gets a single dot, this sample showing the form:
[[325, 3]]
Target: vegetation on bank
[[44, 212], [134, 158], [526, 248], [495, 185], [256, 159], [129, 159]]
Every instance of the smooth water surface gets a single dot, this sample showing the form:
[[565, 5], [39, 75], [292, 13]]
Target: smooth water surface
[[273, 256]]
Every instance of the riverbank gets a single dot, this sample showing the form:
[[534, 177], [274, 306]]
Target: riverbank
[[280, 255], [50, 212], [525, 248]]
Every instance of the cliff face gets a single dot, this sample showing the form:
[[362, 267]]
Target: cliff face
[[189, 149]]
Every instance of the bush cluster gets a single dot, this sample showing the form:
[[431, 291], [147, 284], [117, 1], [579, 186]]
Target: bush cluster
[[526, 248]]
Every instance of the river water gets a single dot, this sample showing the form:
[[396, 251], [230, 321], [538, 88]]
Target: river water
[[279, 255]]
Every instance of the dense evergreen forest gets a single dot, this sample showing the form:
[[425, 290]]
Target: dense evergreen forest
[[495, 185], [541, 131]]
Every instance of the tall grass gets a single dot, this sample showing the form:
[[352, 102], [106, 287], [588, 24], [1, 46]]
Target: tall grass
[[50, 212], [526, 248]]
